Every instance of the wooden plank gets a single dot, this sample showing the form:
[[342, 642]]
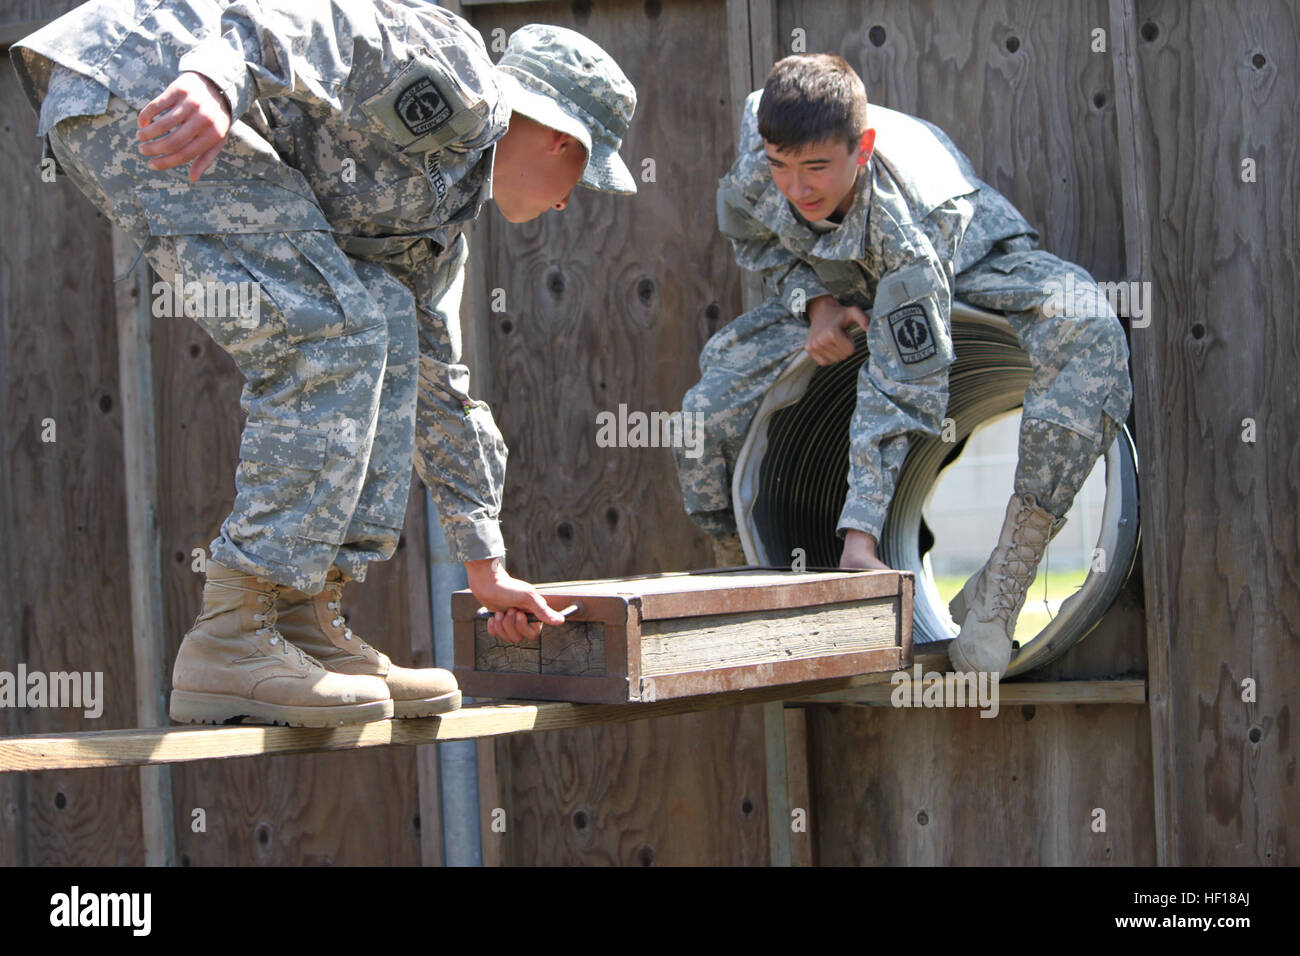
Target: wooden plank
[[559, 687], [947, 787], [144, 566], [491, 799], [116, 748], [740, 68], [1131, 124], [778, 793], [14, 417], [751, 52], [733, 640], [1014, 693], [414, 545], [800, 794], [764, 42], [674, 583], [771, 592], [429, 800], [724, 679]]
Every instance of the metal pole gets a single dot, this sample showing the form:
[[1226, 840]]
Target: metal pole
[[457, 759]]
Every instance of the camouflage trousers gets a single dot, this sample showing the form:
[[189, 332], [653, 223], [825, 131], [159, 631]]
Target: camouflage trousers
[[335, 356], [1078, 393]]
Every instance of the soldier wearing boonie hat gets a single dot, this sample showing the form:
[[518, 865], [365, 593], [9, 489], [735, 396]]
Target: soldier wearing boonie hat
[[563, 80], [346, 147]]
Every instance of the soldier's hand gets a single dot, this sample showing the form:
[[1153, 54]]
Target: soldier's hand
[[511, 599], [187, 122], [828, 321], [860, 552]]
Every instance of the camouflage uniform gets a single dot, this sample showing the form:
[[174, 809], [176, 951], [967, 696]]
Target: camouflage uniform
[[362, 147], [922, 230]]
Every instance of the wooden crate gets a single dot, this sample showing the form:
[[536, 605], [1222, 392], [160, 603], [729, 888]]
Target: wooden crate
[[661, 636]]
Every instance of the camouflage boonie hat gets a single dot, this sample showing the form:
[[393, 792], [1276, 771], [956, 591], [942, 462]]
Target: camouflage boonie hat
[[565, 81]]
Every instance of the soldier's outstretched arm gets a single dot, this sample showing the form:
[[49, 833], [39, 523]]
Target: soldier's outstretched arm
[[461, 457]]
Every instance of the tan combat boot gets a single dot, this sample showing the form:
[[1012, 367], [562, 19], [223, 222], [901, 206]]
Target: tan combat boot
[[316, 624], [989, 604], [234, 663]]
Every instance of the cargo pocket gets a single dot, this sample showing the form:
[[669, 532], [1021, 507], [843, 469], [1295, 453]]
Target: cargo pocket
[[281, 467], [226, 206], [279, 238], [909, 334], [1007, 263], [1012, 281]]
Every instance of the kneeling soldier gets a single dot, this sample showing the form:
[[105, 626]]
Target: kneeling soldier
[[838, 217]]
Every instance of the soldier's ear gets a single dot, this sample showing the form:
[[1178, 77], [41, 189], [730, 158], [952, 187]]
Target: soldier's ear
[[866, 146], [560, 141]]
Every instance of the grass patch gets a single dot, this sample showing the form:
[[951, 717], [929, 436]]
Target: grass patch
[[1033, 616]]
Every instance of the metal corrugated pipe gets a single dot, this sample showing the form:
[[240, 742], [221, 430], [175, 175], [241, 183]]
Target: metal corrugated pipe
[[790, 481]]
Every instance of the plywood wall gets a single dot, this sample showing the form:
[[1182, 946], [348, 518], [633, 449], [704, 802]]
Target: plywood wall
[[1216, 86], [62, 503], [1129, 162]]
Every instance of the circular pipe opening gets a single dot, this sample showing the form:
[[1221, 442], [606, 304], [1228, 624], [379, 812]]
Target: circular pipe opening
[[791, 480]]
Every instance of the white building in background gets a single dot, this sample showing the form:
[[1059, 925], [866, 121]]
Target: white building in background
[[969, 501]]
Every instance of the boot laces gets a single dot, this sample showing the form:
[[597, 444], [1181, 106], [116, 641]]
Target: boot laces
[[336, 590], [268, 617], [1019, 563]]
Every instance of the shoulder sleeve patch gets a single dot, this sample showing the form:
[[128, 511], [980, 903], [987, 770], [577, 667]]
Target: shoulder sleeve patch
[[423, 108]]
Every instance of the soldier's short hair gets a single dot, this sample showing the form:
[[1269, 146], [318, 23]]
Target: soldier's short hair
[[812, 98]]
